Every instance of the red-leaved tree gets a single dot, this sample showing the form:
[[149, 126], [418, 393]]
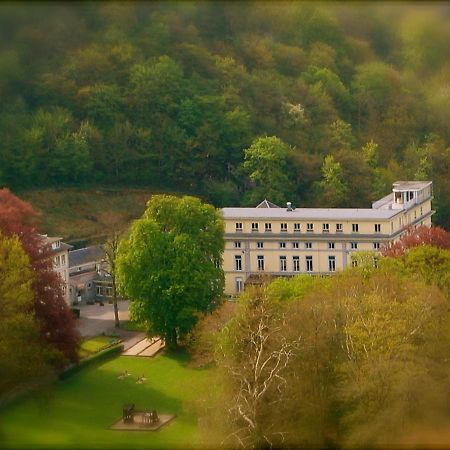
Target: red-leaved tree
[[414, 237], [57, 326]]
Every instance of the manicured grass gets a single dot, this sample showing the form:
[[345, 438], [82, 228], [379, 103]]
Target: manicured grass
[[95, 345], [78, 412]]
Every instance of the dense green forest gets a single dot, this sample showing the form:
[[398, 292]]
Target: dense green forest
[[351, 96]]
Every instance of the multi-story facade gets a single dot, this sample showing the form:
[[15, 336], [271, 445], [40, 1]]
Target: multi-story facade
[[288, 241], [60, 252]]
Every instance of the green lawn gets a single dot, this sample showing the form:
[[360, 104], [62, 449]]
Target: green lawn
[[132, 326], [78, 412], [94, 345]]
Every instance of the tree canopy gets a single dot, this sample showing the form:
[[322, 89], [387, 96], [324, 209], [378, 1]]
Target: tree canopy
[[170, 264], [354, 360], [171, 96], [56, 325], [23, 355]]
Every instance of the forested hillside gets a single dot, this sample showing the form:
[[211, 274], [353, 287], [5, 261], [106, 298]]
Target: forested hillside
[[179, 95]]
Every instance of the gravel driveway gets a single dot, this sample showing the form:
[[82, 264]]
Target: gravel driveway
[[96, 319]]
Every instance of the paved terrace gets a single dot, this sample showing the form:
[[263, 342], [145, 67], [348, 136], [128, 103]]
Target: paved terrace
[[95, 320]]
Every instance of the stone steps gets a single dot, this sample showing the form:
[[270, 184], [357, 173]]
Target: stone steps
[[153, 349], [146, 347]]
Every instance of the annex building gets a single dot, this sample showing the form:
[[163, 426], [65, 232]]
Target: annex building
[[268, 239]]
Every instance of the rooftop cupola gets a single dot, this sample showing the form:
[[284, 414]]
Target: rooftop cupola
[[409, 193]]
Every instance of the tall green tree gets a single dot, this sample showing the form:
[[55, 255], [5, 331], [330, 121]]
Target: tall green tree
[[332, 189], [266, 163], [22, 355], [170, 265]]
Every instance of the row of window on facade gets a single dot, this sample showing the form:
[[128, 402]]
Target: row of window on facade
[[104, 291], [60, 260], [309, 227], [308, 245], [283, 263], [296, 266]]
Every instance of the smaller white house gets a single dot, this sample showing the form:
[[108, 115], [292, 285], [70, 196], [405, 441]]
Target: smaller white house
[[60, 260]]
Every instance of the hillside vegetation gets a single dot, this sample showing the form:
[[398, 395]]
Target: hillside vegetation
[[85, 216], [171, 95]]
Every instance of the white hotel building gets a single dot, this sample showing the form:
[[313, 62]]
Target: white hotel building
[[287, 241]]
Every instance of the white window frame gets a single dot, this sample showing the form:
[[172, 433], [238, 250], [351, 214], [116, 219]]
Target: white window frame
[[309, 263], [296, 263], [260, 263], [283, 264], [238, 263], [239, 283], [331, 263]]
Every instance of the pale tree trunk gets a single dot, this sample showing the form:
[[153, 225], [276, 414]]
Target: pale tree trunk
[[116, 307], [257, 369], [111, 248], [172, 340]]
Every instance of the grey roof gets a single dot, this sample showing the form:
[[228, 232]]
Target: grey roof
[[309, 213], [86, 255]]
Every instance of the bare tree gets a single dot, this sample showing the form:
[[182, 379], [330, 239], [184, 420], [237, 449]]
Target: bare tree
[[254, 355], [111, 247]]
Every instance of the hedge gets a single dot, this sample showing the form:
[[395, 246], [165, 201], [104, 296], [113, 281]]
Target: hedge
[[24, 390], [90, 360]]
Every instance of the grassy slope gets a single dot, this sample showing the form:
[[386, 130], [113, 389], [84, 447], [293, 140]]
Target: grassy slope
[[80, 214], [81, 409]]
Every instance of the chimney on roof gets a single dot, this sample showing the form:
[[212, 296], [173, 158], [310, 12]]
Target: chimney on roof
[[289, 206]]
